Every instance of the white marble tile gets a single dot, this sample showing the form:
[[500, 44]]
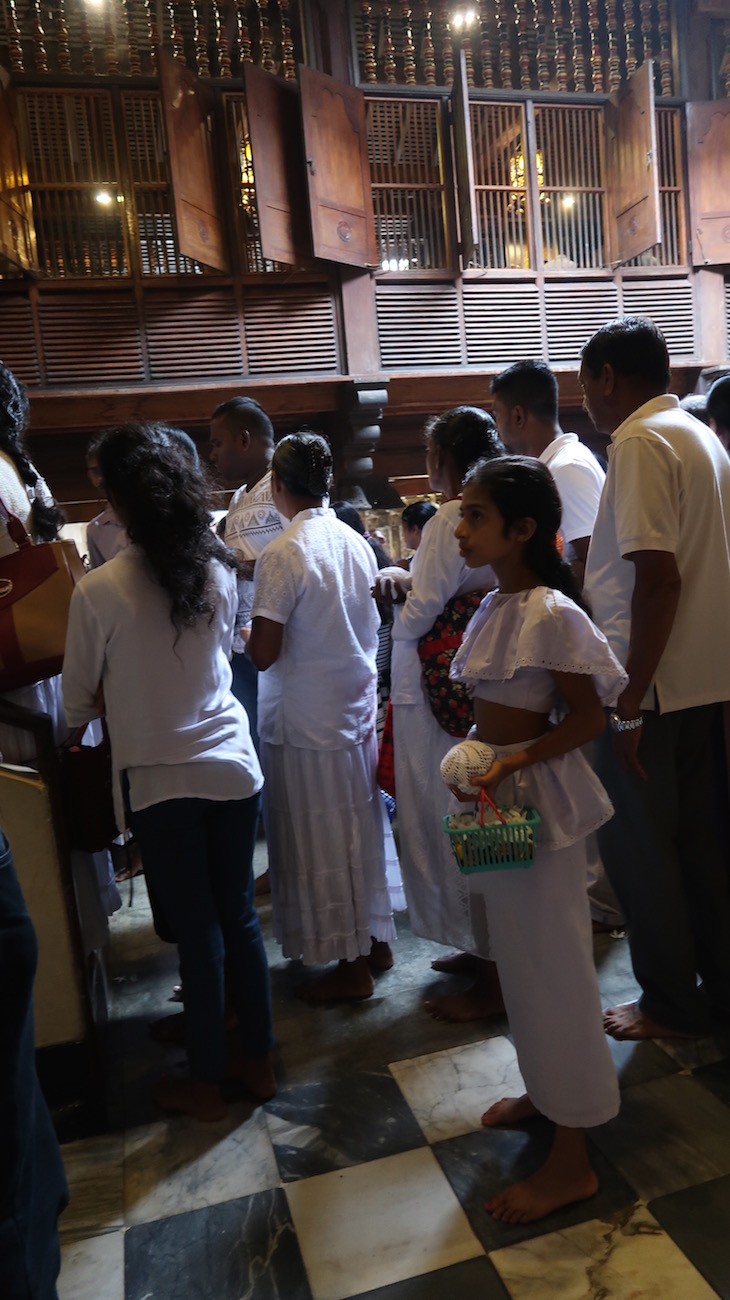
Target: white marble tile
[[94, 1169], [449, 1091], [630, 1258], [178, 1165], [93, 1268], [691, 1053], [378, 1223], [670, 1134]]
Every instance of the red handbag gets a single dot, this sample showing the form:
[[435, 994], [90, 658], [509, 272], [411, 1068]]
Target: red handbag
[[36, 585]]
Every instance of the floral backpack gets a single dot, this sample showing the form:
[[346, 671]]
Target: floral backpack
[[451, 703]]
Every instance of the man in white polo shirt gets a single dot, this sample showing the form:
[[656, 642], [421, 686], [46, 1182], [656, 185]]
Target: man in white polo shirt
[[658, 579]]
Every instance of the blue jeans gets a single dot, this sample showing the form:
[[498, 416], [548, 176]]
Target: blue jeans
[[245, 687], [199, 855], [33, 1189]]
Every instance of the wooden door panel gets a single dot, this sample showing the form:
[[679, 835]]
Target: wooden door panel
[[277, 150], [17, 232], [338, 171], [464, 160], [634, 166], [188, 123], [708, 158]]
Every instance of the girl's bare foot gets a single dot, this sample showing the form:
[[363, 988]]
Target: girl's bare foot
[[510, 1110], [256, 1073], [457, 963], [628, 1021], [202, 1101], [350, 981], [483, 999], [565, 1177], [381, 955]]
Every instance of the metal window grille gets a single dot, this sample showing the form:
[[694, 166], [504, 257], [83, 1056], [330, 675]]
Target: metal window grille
[[75, 183], [406, 168], [569, 164], [500, 175]]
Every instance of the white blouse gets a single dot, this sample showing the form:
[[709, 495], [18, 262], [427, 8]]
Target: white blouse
[[316, 579], [175, 727], [516, 640]]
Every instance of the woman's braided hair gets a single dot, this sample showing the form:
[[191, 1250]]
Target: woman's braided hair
[[303, 463]]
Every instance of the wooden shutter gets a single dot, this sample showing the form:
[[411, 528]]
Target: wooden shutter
[[17, 233], [277, 151], [338, 175], [634, 166], [708, 158], [188, 122], [464, 159]]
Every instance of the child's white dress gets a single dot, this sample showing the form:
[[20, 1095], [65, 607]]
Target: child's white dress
[[539, 918]]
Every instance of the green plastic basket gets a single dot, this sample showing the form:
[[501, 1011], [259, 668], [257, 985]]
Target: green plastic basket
[[495, 847]]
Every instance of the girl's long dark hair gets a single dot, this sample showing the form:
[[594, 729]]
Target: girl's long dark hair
[[523, 488], [163, 493], [45, 517]]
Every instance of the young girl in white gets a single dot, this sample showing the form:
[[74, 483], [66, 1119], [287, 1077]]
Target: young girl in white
[[531, 654]]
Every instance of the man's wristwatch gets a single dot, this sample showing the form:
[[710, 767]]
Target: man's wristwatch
[[624, 724]]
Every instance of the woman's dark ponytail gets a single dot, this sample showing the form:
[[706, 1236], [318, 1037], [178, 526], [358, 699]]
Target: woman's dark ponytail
[[46, 517]]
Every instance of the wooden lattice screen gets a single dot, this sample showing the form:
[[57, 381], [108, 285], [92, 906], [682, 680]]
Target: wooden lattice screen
[[406, 167]]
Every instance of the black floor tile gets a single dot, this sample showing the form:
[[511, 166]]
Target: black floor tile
[[698, 1220], [640, 1062], [363, 1117], [474, 1279], [716, 1078], [480, 1164], [244, 1247]]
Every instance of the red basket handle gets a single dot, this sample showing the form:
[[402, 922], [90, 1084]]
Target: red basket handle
[[486, 799]]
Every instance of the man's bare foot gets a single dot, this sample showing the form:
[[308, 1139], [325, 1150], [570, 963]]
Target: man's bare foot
[[628, 1021], [565, 1177], [192, 1097], [263, 885], [256, 1073], [381, 955], [508, 1111], [457, 963], [483, 999], [350, 981]]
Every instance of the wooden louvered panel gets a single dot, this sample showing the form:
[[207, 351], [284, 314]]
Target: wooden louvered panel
[[502, 323], [17, 340], [418, 326], [574, 312], [668, 303], [90, 339], [290, 331], [189, 336]]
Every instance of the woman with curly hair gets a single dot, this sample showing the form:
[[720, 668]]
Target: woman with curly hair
[[149, 643], [22, 489]]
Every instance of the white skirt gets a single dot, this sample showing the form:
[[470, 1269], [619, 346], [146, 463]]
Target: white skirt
[[436, 892], [325, 831]]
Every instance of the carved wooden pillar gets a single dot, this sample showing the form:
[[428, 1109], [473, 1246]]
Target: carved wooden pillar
[[111, 57], [665, 48], [202, 63], [63, 52], [646, 31], [523, 48], [447, 48], [429, 59], [630, 38], [596, 61], [486, 47], [178, 43], [40, 54], [388, 52], [135, 63], [267, 48], [370, 67], [244, 36], [614, 58], [543, 66], [576, 35], [153, 32], [222, 50], [15, 48], [365, 401], [561, 57], [288, 61], [409, 53], [503, 16]]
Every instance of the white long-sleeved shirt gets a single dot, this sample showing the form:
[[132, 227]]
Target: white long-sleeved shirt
[[175, 728]]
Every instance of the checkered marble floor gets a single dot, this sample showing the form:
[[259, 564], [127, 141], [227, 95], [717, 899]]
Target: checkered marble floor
[[367, 1175]]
